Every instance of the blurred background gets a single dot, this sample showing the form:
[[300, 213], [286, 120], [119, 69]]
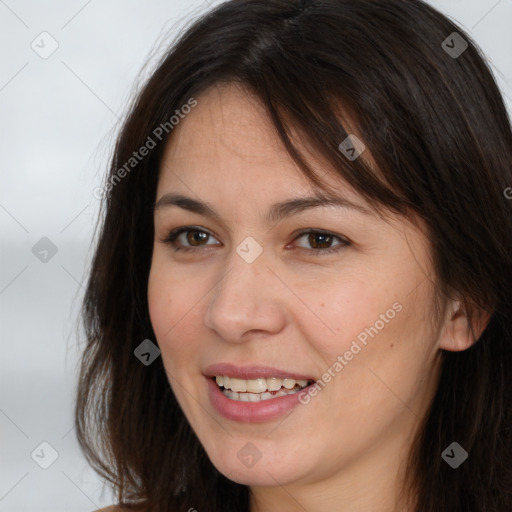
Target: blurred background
[[68, 70]]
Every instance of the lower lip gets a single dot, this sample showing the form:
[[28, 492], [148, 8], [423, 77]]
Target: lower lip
[[250, 412]]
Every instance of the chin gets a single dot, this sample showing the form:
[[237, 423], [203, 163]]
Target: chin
[[257, 473], [254, 477], [250, 478]]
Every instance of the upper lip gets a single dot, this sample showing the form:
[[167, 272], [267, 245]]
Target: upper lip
[[251, 372]]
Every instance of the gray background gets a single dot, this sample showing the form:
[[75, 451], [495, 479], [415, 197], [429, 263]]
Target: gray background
[[58, 118]]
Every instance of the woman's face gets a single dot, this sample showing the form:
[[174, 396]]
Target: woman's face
[[244, 295]]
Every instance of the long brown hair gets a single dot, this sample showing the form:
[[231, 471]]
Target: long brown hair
[[436, 125]]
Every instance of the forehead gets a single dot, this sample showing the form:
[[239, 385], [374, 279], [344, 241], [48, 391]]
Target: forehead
[[228, 140], [226, 153], [226, 117]]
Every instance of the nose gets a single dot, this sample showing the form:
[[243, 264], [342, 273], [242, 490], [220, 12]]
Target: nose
[[249, 298]]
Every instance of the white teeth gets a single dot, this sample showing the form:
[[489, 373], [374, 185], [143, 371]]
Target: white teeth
[[237, 384], [257, 385], [289, 383], [254, 390], [274, 384], [231, 394], [258, 397]]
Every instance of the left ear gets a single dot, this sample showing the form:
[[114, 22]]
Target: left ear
[[459, 333]]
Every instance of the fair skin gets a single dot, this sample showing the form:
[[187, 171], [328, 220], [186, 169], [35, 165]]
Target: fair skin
[[295, 309]]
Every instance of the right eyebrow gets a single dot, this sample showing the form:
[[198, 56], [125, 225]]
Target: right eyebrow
[[277, 211]]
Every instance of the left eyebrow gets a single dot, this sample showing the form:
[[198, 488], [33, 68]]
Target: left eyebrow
[[277, 211]]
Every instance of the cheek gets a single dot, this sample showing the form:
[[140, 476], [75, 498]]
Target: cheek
[[163, 314], [372, 327], [173, 309], [159, 303], [167, 297], [345, 311]]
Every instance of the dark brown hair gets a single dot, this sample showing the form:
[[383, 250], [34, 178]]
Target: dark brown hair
[[435, 124]]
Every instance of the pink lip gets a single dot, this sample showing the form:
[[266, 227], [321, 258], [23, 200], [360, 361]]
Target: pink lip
[[251, 372], [250, 412]]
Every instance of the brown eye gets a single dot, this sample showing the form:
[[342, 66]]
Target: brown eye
[[320, 239], [193, 238], [190, 238], [321, 242]]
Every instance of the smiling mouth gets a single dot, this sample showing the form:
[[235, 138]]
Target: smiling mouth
[[257, 390]]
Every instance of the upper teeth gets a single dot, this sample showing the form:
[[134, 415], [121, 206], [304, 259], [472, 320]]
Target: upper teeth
[[258, 385]]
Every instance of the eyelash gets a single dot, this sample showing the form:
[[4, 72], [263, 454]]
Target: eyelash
[[170, 239]]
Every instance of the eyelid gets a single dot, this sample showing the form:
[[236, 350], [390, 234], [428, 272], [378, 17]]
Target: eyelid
[[307, 231], [175, 233]]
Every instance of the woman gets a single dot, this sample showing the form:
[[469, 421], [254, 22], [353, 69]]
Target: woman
[[300, 296]]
